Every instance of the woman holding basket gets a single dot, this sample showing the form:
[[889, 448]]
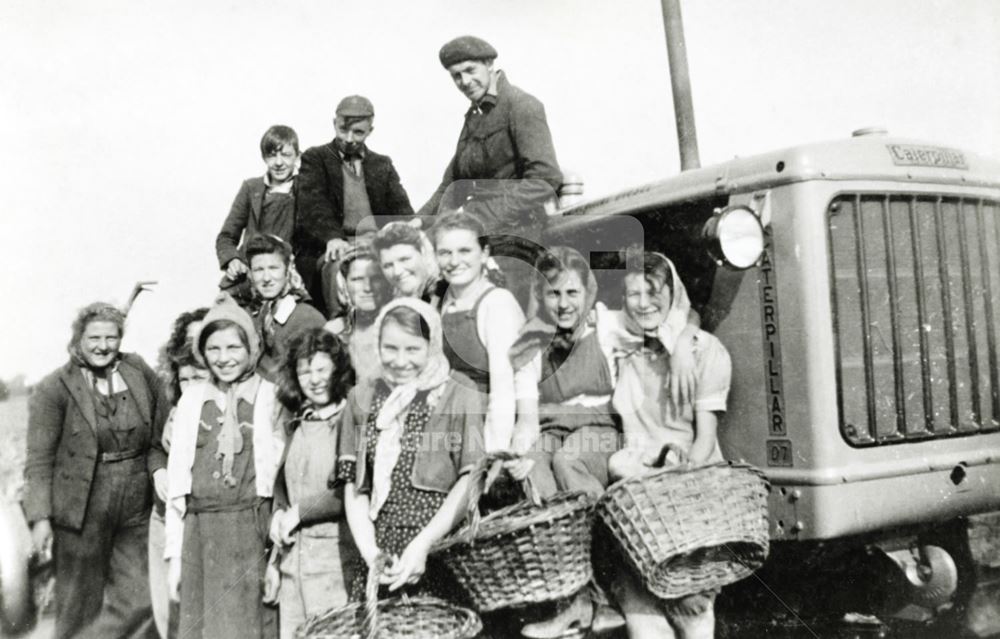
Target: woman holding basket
[[408, 440], [653, 317]]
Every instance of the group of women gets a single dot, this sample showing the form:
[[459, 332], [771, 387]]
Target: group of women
[[301, 449]]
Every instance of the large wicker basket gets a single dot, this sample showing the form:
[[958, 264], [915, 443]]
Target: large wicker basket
[[686, 531], [531, 552], [397, 618]]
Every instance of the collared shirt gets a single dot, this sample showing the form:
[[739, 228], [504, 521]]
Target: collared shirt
[[245, 390], [325, 413], [282, 187], [488, 101], [100, 384], [355, 163], [283, 308]]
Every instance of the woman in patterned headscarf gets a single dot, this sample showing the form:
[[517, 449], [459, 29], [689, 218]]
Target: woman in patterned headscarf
[[228, 438], [409, 438]]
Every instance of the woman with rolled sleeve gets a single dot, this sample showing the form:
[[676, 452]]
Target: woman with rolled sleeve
[[408, 441], [94, 442]]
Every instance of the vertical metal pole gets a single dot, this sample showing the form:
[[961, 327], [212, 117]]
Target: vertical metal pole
[[680, 82]]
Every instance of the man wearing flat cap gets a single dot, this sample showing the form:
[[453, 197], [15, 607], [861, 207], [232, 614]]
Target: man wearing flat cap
[[504, 170], [341, 185]]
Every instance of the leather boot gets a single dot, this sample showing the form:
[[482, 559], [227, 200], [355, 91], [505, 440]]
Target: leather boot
[[571, 621]]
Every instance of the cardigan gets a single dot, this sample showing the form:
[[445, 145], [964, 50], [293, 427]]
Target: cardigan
[[452, 441], [268, 447]]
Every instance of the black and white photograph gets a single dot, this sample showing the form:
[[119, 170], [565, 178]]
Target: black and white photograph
[[543, 319]]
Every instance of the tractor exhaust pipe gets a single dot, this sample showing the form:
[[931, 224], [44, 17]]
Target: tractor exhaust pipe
[[680, 82]]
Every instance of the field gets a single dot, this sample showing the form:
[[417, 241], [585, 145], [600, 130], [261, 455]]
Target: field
[[13, 424]]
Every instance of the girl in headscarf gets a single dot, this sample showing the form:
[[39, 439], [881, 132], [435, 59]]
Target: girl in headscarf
[[318, 557], [562, 350], [653, 317], [362, 290], [284, 309], [565, 352], [409, 438], [407, 259], [480, 320], [228, 439]]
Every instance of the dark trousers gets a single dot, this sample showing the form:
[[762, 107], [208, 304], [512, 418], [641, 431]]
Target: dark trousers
[[102, 578]]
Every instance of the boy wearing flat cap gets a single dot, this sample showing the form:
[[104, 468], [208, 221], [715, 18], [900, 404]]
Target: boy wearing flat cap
[[341, 185], [504, 170]]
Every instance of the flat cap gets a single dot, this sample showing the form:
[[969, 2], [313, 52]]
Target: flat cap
[[465, 48], [355, 106]]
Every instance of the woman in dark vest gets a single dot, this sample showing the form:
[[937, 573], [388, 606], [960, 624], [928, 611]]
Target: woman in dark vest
[[94, 430]]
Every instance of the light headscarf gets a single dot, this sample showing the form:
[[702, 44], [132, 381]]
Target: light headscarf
[[293, 282], [630, 335], [540, 329], [230, 439], [354, 253], [392, 416], [427, 258]]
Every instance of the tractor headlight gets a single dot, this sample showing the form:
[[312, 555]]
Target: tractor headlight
[[735, 237]]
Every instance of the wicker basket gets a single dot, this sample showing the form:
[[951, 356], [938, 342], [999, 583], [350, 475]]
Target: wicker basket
[[398, 618], [532, 552], [686, 531]]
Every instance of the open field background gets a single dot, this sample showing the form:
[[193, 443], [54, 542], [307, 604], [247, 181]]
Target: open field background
[[13, 424]]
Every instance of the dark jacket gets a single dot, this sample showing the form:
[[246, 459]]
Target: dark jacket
[[244, 221], [275, 345], [319, 203], [452, 442], [62, 438], [504, 168]]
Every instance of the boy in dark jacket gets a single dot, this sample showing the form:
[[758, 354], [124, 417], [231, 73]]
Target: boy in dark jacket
[[264, 205], [342, 184]]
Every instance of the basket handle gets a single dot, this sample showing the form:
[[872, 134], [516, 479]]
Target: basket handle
[[371, 594], [661, 458], [482, 477]]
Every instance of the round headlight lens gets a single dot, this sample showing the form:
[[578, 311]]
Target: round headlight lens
[[736, 237]]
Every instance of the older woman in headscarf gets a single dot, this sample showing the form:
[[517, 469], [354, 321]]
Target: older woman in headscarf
[[654, 316], [228, 439], [94, 429], [409, 438], [284, 309], [362, 290]]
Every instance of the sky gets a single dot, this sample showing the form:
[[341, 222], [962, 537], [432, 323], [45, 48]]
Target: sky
[[129, 124]]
